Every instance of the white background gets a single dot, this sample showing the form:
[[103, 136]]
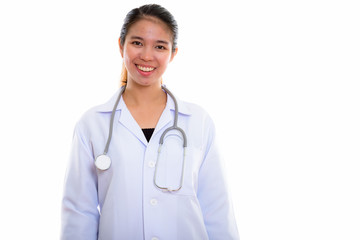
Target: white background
[[279, 78]]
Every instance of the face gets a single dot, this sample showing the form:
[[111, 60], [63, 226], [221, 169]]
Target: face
[[147, 51]]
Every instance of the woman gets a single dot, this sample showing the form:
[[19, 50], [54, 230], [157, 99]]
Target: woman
[[136, 194]]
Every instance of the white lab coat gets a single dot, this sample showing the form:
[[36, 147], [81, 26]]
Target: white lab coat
[[123, 202]]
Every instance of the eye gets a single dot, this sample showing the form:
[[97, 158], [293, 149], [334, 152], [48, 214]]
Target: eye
[[137, 43], [160, 47]]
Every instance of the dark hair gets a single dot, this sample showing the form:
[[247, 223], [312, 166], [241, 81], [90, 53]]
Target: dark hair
[[150, 10]]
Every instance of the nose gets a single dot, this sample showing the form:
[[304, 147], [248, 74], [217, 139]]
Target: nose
[[147, 54]]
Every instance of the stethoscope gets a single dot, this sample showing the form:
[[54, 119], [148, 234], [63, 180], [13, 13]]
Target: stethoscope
[[103, 161]]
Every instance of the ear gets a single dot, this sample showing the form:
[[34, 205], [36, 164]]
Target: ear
[[121, 48], [173, 54]]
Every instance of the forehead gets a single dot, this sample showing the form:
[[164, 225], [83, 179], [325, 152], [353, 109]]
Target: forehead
[[150, 28]]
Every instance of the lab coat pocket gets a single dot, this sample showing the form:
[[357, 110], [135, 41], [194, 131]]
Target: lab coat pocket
[[177, 167]]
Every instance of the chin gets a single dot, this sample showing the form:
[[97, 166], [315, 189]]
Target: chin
[[147, 83]]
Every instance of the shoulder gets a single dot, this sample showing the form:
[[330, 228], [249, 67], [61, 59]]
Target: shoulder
[[198, 116], [199, 126], [97, 115], [194, 109]]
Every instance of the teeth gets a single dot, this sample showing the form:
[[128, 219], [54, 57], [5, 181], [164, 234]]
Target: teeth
[[145, 69]]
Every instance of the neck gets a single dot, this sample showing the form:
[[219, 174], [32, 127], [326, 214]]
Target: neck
[[137, 95]]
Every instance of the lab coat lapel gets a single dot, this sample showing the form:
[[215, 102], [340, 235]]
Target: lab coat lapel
[[165, 118], [127, 120]]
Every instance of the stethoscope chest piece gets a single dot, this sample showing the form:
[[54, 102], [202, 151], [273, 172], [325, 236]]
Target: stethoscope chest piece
[[103, 162]]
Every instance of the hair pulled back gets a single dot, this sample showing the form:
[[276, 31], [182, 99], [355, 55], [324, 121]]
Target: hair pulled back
[[149, 10]]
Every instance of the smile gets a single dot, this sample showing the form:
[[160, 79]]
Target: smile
[[145, 69]]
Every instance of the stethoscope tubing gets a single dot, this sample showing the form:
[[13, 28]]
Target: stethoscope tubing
[[112, 120], [103, 161]]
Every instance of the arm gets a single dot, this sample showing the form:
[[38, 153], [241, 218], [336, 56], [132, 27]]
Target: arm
[[213, 195], [79, 211]]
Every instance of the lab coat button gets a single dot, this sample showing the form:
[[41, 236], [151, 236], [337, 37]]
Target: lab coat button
[[151, 164], [153, 202], [154, 238]]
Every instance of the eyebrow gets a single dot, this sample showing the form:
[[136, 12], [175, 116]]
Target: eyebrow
[[140, 38]]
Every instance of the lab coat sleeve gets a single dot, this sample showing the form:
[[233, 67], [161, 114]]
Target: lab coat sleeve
[[79, 214], [213, 193]]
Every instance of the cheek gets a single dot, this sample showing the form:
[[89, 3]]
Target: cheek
[[128, 56], [128, 52], [165, 60]]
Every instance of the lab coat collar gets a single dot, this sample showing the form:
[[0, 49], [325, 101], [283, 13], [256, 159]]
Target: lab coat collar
[[129, 122], [109, 105]]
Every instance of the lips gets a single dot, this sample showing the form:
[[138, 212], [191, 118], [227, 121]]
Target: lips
[[145, 68]]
